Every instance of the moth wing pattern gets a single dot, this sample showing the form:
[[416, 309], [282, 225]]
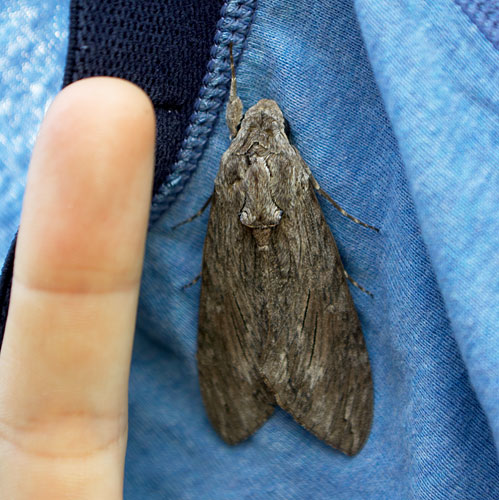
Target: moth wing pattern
[[277, 323], [279, 326], [315, 359], [229, 337]]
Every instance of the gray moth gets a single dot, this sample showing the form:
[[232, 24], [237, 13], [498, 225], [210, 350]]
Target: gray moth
[[277, 323]]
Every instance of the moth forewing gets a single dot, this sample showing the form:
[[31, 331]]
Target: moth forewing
[[277, 324]]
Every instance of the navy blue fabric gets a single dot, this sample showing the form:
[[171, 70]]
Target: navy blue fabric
[[163, 46], [393, 105], [5, 286]]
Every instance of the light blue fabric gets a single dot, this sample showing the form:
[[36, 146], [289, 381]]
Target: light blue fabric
[[440, 83], [425, 172], [33, 43]]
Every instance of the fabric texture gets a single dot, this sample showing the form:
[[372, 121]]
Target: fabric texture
[[33, 43], [443, 108], [394, 106], [485, 15], [160, 45]]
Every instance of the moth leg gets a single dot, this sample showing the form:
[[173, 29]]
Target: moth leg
[[234, 111], [323, 193], [193, 282], [361, 288], [196, 215]]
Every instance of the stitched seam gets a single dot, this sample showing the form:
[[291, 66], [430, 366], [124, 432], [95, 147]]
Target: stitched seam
[[485, 16], [233, 26]]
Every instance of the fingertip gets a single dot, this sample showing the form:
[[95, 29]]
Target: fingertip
[[108, 96], [97, 115], [89, 185]]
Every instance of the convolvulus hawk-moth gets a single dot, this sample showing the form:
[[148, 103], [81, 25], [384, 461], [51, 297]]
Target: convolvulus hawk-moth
[[277, 324]]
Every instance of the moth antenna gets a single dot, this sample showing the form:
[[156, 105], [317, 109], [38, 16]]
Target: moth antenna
[[232, 70], [234, 112]]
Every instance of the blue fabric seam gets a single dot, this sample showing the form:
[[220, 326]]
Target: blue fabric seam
[[484, 16], [233, 27]]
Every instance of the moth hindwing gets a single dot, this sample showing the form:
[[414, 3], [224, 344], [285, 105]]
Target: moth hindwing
[[277, 324]]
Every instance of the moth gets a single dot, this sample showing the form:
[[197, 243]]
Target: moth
[[277, 324]]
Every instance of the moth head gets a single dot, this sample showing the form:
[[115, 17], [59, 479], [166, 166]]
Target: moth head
[[267, 115]]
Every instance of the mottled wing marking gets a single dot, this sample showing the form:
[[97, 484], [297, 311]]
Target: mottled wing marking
[[315, 359], [277, 322], [236, 399]]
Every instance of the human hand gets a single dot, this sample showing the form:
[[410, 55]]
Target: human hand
[[65, 357]]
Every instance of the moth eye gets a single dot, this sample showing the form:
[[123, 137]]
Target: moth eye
[[244, 216]]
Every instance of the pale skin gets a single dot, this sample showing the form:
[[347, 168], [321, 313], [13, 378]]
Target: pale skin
[[65, 359]]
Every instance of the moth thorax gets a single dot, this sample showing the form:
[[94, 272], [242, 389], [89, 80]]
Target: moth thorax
[[259, 210]]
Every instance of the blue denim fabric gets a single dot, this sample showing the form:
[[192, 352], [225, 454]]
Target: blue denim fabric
[[440, 83], [33, 41], [423, 172]]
